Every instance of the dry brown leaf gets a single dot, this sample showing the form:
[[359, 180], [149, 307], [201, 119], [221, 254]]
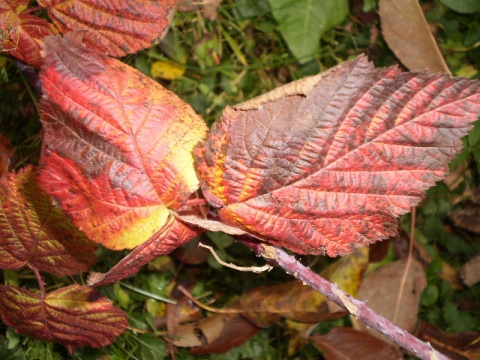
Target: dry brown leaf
[[462, 346], [408, 35], [347, 343], [381, 291], [208, 7], [470, 272]]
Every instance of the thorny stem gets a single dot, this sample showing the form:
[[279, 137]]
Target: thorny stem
[[357, 308]]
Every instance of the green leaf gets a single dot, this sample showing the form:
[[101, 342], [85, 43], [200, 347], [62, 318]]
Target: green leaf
[[462, 6], [303, 22]]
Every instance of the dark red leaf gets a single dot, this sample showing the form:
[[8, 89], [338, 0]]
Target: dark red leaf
[[328, 163]]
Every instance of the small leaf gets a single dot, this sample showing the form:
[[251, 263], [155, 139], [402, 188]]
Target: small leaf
[[35, 233], [22, 34], [303, 22], [121, 27], [73, 316], [328, 163], [166, 70], [462, 6], [118, 152], [414, 44]]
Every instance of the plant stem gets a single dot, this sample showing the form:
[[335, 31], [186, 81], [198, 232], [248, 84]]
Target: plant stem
[[41, 284], [357, 308]]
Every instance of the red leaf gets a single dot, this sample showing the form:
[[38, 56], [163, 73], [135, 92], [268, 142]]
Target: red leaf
[[121, 26], [35, 233], [73, 316], [173, 234], [328, 163], [118, 152], [21, 35]]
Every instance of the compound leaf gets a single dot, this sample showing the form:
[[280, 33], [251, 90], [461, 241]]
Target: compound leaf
[[121, 27], [328, 163], [73, 316], [34, 233], [118, 153]]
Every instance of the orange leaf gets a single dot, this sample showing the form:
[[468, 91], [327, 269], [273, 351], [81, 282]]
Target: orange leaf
[[328, 163], [121, 27], [118, 152], [35, 233], [73, 316]]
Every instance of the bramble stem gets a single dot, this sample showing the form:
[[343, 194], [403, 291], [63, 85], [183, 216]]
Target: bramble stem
[[41, 284], [356, 307]]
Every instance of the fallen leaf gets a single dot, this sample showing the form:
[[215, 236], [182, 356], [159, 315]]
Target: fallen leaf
[[265, 305], [328, 163], [381, 290], [117, 165], [36, 234], [462, 346], [408, 35], [347, 343], [73, 316], [120, 27], [166, 70], [470, 272], [208, 7]]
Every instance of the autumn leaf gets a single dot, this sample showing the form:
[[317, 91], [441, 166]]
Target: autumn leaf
[[73, 316], [20, 32], [121, 27], [118, 155], [34, 233], [173, 234], [328, 163]]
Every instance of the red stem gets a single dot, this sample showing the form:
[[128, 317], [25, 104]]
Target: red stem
[[357, 308], [41, 284]]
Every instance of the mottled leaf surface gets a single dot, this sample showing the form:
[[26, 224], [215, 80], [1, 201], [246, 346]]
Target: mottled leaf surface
[[20, 32], [329, 166], [35, 233], [73, 316], [123, 26], [118, 154]]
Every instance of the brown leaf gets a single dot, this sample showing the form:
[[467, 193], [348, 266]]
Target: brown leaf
[[73, 316], [34, 233], [208, 7], [215, 334], [408, 35], [349, 344], [470, 272], [463, 346], [381, 290], [293, 300]]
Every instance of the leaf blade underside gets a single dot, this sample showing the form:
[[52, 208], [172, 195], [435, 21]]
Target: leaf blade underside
[[73, 316], [331, 168], [34, 233], [119, 146]]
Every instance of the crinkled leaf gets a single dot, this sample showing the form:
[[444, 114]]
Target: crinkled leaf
[[173, 234], [73, 316], [123, 26], [21, 33], [327, 164], [34, 233], [119, 146]]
